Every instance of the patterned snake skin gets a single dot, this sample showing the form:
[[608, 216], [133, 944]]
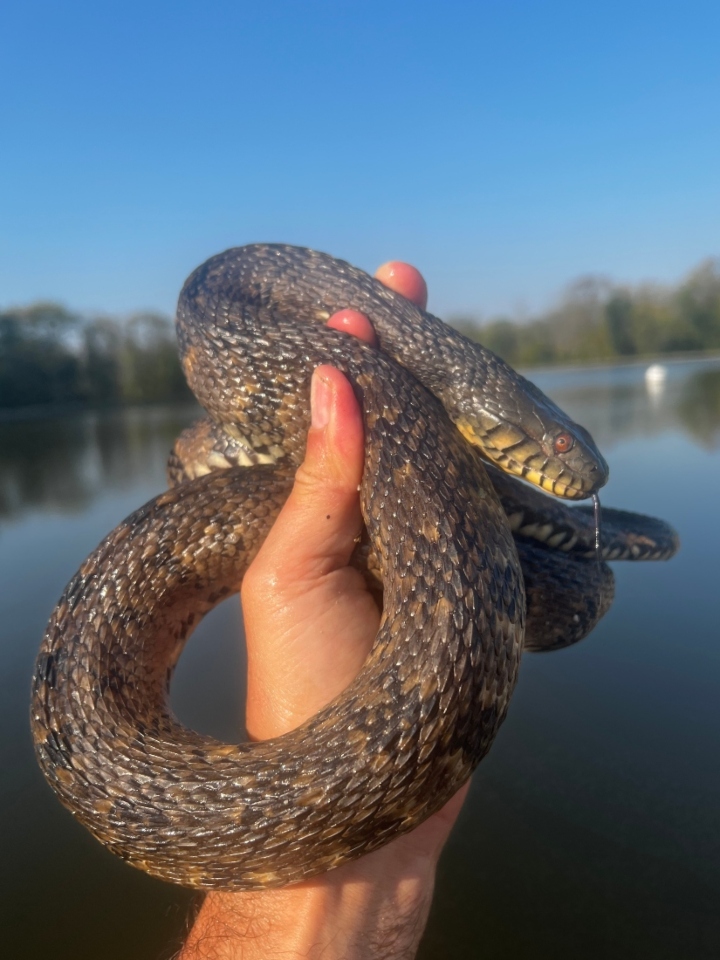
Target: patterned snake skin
[[456, 585]]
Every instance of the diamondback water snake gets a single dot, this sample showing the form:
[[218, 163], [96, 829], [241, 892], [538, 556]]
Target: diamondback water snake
[[455, 586]]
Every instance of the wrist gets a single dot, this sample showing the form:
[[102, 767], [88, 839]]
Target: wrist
[[353, 913]]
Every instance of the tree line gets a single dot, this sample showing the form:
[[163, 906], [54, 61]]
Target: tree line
[[599, 320], [50, 355]]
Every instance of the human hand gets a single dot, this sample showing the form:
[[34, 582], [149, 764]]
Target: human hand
[[310, 622]]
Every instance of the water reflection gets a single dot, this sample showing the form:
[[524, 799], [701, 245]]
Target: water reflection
[[621, 403], [655, 379], [63, 464], [699, 407]]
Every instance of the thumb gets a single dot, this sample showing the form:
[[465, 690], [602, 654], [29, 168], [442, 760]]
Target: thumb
[[322, 514], [309, 619]]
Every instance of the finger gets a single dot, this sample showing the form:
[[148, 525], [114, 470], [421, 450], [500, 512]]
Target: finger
[[325, 488], [327, 482], [398, 276], [302, 650], [404, 279], [354, 323]]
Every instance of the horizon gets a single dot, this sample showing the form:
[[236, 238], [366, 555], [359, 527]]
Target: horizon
[[556, 303]]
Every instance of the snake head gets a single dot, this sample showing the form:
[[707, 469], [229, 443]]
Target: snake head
[[525, 434]]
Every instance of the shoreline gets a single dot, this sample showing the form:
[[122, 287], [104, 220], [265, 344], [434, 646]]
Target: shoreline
[[42, 411]]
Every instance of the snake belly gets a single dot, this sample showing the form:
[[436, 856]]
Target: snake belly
[[426, 706]]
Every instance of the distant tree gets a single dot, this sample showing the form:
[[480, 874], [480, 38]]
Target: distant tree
[[619, 315], [698, 301], [103, 340], [596, 321], [149, 367], [503, 337], [49, 355], [37, 361]]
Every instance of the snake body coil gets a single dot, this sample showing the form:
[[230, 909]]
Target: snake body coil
[[427, 704]]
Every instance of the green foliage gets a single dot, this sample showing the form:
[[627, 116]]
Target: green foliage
[[36, 364], [49, 355], [619, 319], [599, 321], [149, 366]]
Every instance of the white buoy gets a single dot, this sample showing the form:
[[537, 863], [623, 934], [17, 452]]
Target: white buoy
[[655, 377], [656, 373]]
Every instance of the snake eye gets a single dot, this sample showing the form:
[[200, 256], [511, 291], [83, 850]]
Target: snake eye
[[563, 442]]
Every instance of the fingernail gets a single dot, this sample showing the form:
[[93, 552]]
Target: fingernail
[[320, 401], [355, 323]]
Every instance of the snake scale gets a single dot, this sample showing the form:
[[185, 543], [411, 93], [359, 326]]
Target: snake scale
[[460, 595]]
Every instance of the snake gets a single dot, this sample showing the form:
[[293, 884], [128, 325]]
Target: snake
[[471, 559]]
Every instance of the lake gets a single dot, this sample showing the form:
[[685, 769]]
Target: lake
[[592, 829]]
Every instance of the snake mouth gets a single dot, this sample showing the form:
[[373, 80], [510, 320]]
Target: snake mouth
[[565, 485], [523, 457]]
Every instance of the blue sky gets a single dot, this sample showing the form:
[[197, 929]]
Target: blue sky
[[504, 147]]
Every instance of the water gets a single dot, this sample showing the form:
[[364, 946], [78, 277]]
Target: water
[[593, 828]]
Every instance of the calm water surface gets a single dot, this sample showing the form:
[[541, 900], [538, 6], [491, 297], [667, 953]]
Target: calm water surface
[[593, 828]]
